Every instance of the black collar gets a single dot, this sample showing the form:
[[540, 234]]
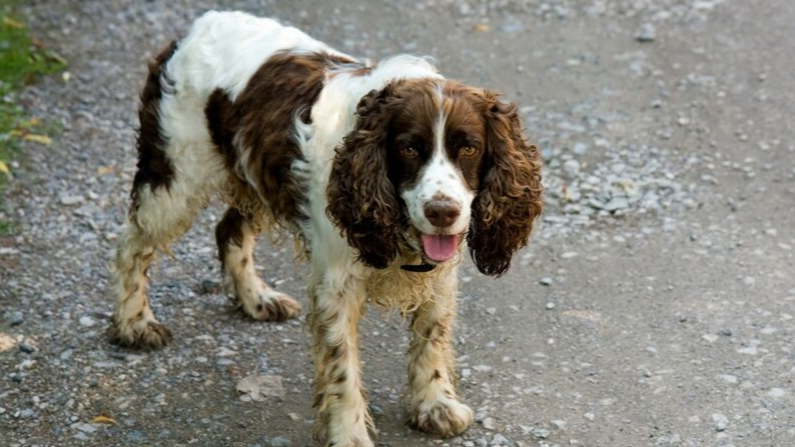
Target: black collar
[[418, 268]]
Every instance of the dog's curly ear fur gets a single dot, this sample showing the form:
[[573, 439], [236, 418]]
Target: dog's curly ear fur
[[362, 201], [509, 199]]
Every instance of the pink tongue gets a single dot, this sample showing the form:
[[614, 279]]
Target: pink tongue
[[440, 247]]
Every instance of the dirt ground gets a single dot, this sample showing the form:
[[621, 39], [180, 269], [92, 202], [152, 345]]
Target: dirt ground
[[654, 306]]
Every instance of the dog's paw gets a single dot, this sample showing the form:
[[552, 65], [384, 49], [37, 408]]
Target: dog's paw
[[444, 417], [141, 334], [270, 305]]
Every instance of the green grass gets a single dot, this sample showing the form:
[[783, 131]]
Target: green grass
[[22, 61]]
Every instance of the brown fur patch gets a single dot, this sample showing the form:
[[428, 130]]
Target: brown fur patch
[[259, 126], [510, 197], [154, 167], [229, 231]]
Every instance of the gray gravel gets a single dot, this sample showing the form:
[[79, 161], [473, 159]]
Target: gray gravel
[[654, 307]]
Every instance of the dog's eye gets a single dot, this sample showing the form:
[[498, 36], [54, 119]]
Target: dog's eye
[[468, 151], [408, 152]]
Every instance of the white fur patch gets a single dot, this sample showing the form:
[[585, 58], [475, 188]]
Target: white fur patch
[[440, 177]]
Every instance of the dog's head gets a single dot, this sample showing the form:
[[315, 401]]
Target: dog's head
[[432, 162]]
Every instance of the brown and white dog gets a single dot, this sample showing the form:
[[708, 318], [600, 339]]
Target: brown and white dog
[[384, 173]]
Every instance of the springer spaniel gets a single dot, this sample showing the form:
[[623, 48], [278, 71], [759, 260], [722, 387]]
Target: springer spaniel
[[384, 173]]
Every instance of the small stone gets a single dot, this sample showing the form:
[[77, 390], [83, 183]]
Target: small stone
[[85, 428], [541, 433], [777, 393], [500, 440], [69, 200], [26, 348], [550, 305], [279, 441], [721, 422], [571, 168], [488, 423], [647, 33], [87, 321], [16, 318], [590, 416], [728, 378], [580, 148], [558, 424], [545, 281], [616, 204]]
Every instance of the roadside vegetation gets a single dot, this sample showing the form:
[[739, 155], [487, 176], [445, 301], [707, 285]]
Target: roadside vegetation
[[22, 60]]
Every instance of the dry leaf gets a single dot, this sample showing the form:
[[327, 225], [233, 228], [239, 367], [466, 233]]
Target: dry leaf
[[41, 139], [103, 420], [4, 168], [12, 23], [259, 387], [481, 27], [105, 170]]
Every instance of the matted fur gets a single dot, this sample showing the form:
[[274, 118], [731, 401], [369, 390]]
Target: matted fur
[[347, 156]]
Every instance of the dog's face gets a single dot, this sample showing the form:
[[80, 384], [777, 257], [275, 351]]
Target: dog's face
[[432, 162], [435, 146]]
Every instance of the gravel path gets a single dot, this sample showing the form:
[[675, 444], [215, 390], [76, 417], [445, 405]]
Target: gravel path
[[655, 307]]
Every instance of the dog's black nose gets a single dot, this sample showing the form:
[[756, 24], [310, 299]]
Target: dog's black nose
[[442, 213]]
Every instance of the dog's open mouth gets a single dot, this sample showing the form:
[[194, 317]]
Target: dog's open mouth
[[439, 247]]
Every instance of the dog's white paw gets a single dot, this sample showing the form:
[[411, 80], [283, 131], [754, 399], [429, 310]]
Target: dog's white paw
[[446, 417]]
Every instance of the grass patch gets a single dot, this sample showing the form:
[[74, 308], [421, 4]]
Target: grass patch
[[22, 60]]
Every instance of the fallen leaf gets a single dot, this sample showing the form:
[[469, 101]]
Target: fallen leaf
[[4, 168], [105, 170], [41, 139], [103, 420], [481, 27], [12, 23], [259, 387]]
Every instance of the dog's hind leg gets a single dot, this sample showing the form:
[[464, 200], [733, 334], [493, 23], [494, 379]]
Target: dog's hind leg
[[158, 217], [235, 236], [177, 172]]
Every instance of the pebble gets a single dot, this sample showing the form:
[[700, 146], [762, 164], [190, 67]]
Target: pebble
[[777, 393], [500, 440], [571, 168], [545, 281], [489, 424], [647, 33], [87, 321], [84, 427], [279, 441], [541, 433], [69, 200], [16, 318], [721, 422]]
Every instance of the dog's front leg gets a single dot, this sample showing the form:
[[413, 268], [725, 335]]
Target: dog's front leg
[[435, 407], [343, 418]]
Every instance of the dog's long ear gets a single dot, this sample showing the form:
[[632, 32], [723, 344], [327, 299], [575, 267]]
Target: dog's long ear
[[509, 198], [362, 201]]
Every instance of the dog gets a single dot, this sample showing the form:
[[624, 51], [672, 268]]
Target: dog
[[384, 173]]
